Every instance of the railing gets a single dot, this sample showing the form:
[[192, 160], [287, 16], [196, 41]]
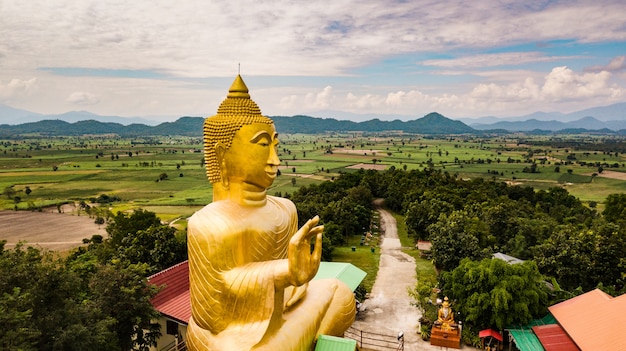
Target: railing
[[374, 341], [175, 346]]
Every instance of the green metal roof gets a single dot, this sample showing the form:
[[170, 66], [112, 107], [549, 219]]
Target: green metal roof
[[346, 272], [333, 343], [525, 338]]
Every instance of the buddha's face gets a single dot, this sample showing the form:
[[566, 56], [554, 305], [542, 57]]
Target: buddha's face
[[253, 155]]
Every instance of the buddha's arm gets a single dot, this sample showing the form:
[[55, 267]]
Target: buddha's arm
[[254, 273], [298, 269]]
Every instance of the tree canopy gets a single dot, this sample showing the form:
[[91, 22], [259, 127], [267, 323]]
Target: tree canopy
[[492, 293]]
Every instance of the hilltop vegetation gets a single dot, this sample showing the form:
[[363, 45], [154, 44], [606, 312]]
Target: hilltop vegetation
[[432, 123]]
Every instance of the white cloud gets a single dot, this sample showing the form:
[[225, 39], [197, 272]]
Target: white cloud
[[524, 94], [515, 92], [17, 87], [617, 64], [321, 100], [563, 83], [491, 60], [83, 98], [326, 38], [199, 39]]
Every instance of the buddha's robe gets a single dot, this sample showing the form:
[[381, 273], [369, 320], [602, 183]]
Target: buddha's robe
[[234, 252]]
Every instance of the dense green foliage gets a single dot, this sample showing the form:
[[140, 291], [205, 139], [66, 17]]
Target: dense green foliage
[[97, 298], [468, 221], [344, 206], [494, 293]]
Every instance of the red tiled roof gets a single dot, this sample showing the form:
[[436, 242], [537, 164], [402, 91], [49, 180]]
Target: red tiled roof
[[173, 299], [594, 320], [554, 338], [490, 332]]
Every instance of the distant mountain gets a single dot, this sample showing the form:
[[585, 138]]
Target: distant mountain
[[432, 123], [586, 123], [10, 115], [608, 114], [77, 116], [615, 112], [612, 117]]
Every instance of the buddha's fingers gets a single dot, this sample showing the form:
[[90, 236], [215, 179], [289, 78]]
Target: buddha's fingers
[[305, 232], [317, 251]]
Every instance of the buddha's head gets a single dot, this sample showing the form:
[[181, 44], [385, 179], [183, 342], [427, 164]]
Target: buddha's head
[[239, 142], [445, 303]]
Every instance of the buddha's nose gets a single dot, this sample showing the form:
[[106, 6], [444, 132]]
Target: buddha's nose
[[273, 158]]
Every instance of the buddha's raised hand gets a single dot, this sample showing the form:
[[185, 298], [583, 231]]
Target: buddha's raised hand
[[303, 264]]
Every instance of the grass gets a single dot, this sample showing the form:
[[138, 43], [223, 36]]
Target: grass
[[424, 268], [362, 258]]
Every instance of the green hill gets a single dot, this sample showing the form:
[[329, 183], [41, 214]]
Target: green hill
[[433, 123]]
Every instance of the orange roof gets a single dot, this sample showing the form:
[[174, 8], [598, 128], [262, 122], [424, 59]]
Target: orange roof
[[173, 299], [594, 320]]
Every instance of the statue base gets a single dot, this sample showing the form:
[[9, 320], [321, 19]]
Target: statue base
[[447, 338]]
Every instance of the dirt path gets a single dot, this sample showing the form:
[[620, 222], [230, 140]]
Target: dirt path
[[389, 310]]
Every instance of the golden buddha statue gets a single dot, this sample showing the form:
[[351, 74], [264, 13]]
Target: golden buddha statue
[[445, 316], [250, 267]]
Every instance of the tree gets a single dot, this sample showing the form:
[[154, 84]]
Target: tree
[[123, 224], [156, 246], [615, 208], [123, 292], [455, 237], [60, 313], [17, 332], [99, 220], [327, 248], [9, 191], [584, 257], [420, 215], [27, 190], [492, 293]]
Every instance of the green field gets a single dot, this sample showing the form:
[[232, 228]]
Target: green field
[[72, 169]]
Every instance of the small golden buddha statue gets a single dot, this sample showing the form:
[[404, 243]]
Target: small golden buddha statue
[[250, 267], [445, 316]]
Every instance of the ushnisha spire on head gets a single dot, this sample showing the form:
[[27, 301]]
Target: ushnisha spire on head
[[238, 89]]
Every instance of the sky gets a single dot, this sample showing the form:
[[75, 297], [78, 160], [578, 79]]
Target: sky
[[348, 59]]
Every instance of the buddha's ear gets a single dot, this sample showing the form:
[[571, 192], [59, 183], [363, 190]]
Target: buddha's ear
[[220, 152]]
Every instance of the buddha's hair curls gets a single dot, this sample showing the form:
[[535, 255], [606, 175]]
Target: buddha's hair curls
[[233, 113]]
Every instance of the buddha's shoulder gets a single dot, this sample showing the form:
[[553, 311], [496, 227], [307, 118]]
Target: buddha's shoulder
[[222, 210], [281, 202]]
